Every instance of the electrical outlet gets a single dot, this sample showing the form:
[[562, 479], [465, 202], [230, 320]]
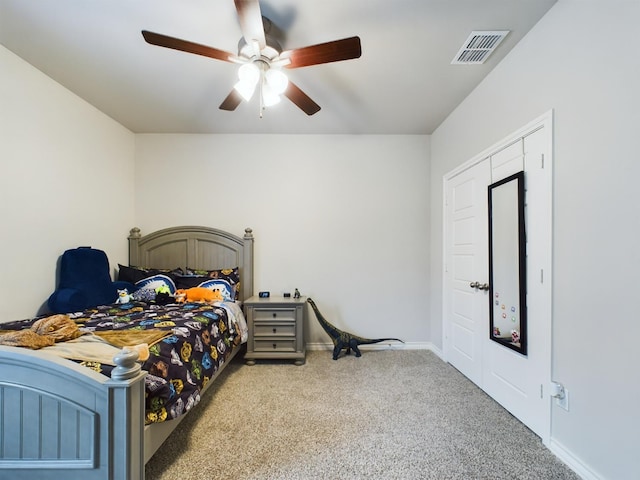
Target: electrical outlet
[[563, 402]]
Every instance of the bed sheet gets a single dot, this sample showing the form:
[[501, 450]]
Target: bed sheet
[[197, 340]]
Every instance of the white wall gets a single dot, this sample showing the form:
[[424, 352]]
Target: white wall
[[67, 180], [343, 218], [577, 61]]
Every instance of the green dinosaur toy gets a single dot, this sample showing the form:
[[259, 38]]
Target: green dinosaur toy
[[344, 340]]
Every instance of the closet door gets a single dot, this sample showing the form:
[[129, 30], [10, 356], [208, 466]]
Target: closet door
[[466, 245], [520, 383]]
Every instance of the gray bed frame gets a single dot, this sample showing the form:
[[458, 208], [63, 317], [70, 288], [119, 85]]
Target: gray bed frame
[[63, 421]]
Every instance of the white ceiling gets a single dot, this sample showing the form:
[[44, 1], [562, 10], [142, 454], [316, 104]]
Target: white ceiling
[[404, 82]]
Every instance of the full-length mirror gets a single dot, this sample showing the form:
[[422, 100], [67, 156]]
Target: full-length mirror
[[507, 263]]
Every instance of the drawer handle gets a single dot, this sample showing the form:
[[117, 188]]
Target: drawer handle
[[274, 315], [274, 346], [274, 330]]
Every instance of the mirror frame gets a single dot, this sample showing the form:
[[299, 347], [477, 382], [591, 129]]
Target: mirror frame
[[512, 238]]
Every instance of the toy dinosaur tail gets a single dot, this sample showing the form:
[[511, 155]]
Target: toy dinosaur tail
[[369, 341]]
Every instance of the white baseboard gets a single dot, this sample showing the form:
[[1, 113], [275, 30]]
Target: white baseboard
[[573, 462]]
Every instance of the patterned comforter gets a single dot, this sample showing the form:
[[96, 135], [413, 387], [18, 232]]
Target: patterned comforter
[[199, 340]]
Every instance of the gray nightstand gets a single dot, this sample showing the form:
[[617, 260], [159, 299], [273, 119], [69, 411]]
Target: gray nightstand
[[276, 329]]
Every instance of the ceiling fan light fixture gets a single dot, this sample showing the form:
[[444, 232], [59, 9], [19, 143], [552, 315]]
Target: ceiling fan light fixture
[[276, 80], [245, 89], [249, 75], [269, 96], [249, 72]]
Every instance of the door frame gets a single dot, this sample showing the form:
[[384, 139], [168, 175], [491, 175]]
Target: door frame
[[542, 303]]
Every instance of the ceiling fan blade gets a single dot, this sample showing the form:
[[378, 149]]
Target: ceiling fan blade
[[345, 49], [231, 102], [186, 46], [301, 99], [251, 25]]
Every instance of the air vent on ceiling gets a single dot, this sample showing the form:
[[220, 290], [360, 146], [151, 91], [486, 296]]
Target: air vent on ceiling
[[477, 48]]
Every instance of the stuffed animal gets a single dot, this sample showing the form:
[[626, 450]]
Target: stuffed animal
[[163, 295], [198, 294], [344, 340], [124, 296]]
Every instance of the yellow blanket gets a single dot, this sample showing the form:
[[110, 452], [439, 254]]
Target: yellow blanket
[[130, 338]]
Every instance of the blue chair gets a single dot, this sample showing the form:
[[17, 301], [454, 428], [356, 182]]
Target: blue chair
[[84, 282]]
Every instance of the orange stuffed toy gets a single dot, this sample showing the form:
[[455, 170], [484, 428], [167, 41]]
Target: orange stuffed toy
[[198, 294]]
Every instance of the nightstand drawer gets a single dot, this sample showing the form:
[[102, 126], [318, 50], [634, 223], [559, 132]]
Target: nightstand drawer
[[271, 329], [274, 345], [264, 314]]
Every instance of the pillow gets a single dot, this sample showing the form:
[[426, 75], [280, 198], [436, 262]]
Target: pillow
[[189, 281], [146, 288], [224, 287], [195, 277], [135, 274]]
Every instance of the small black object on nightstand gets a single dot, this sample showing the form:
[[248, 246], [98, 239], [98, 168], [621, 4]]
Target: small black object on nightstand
[[296, 294]]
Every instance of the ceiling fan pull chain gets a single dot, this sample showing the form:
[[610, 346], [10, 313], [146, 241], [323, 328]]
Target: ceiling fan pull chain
[[262, 107]]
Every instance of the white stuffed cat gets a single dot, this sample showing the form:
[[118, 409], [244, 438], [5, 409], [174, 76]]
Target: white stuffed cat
[[124, 296]]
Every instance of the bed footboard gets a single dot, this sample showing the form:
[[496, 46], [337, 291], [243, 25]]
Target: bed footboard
[[60, 420]]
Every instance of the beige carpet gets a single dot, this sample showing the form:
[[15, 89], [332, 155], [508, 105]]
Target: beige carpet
[[387, 415]]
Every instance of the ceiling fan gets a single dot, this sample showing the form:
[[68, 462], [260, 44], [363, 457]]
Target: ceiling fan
[[262, 59]]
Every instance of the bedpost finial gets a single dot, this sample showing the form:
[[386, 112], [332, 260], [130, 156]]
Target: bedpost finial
[[248, 233], [134, 233], [126, 366]]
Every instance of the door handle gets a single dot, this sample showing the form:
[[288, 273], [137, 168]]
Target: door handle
[[479, 286]]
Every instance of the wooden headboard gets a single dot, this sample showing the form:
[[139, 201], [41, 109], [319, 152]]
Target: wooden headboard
[[201, 248]]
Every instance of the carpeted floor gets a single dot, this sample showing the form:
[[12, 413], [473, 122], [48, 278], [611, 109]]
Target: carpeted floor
[[391, 414]]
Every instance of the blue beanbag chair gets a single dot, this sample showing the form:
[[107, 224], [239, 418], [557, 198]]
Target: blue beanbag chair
[[85, 281]]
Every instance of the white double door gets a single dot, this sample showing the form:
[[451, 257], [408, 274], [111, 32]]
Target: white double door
[[518, 382]]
